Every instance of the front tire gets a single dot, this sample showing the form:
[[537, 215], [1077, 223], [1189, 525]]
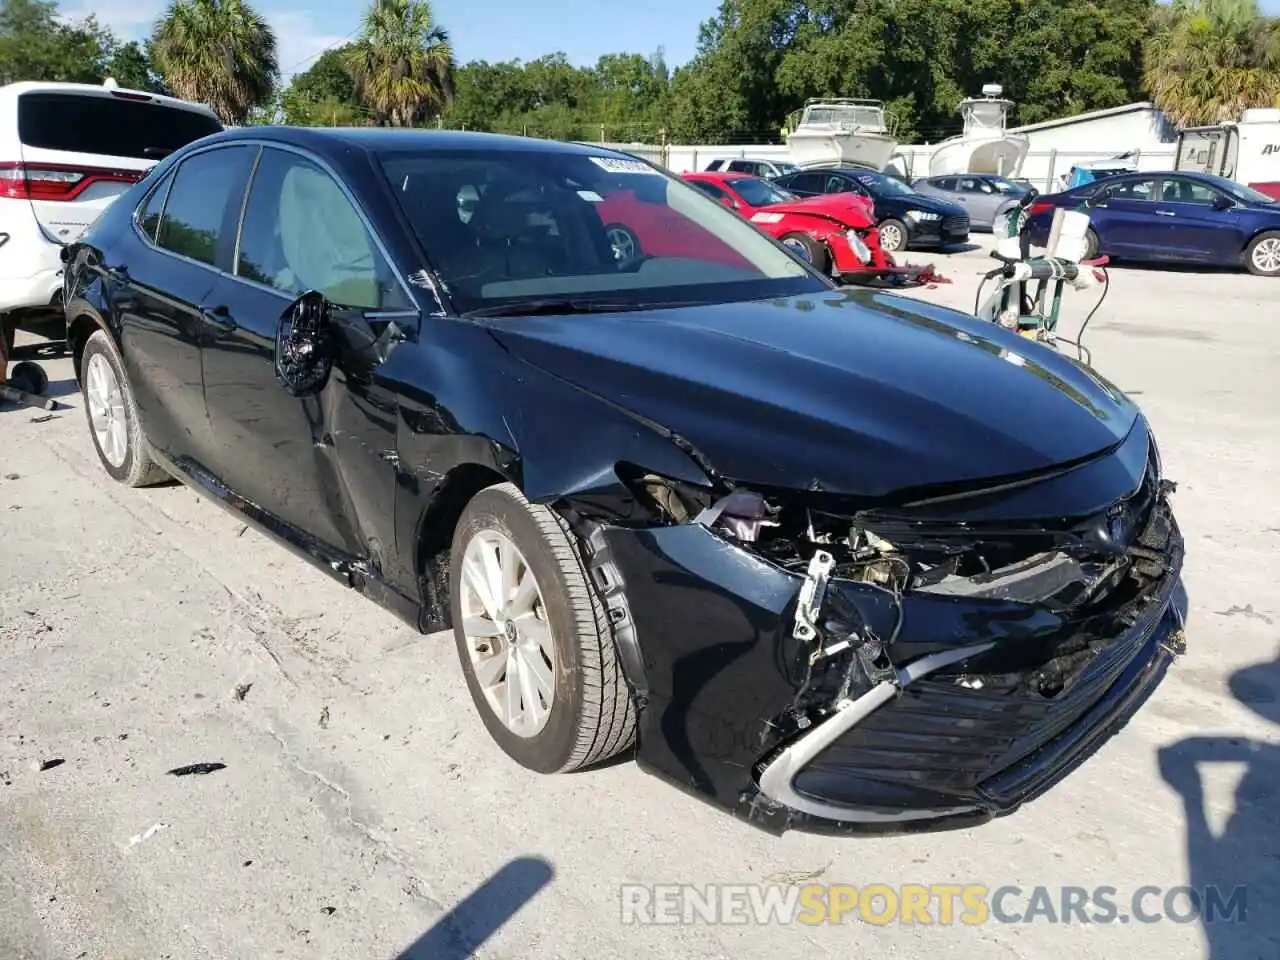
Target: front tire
[[893, 235], [810, 250], [113, 416], [1262, 256], [533, 638]]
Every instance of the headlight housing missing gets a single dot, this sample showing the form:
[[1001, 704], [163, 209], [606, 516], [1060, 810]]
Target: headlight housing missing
[[859, 246]]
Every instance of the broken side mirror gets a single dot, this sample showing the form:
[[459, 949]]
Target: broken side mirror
[[304, 345]]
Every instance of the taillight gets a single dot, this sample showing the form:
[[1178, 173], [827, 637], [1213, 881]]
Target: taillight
[[22, 181], [1039, 206]]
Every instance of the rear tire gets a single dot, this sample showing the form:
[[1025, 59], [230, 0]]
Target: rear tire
[[543, 672], [1262, 256], [112, 414], [893, 235], [626, 245]]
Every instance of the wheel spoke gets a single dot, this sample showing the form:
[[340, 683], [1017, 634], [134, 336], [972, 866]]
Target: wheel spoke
[[479, 627], [490, 669], [539, 673], [538, 634], [511, 695], [509, 561], [525, 594], [492, 569], [475, 578], [533, 708]]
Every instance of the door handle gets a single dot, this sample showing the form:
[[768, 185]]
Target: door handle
[[1165, 213], [219, 317]]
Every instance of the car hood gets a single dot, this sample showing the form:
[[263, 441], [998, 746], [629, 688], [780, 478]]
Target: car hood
[[848, 209], [860, 393]]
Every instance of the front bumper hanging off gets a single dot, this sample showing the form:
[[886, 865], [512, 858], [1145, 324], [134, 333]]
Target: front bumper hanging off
[[927, 740]]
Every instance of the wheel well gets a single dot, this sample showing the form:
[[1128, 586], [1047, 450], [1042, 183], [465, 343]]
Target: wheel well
[[1256, 235], [78, 334], [435, 537]]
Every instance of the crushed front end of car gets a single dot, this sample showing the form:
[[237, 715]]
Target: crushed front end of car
[[812, 662]]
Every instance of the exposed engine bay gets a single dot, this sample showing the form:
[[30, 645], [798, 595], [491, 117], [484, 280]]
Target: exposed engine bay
[[1105, 566]]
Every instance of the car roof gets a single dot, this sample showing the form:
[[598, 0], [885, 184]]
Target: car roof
[[14, 90], [389, 140]]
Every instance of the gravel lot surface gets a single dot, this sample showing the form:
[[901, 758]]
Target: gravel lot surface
[[364, 813]]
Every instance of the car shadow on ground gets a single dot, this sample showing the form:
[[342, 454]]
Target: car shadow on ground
[[460, 932], [1235, 873], [947, 250]]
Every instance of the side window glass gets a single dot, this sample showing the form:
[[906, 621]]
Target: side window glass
[[302, 233], [710, 189], [836, 185], [808, 182], [1133, 190], [205, 188], [946, 183], [153, 206]]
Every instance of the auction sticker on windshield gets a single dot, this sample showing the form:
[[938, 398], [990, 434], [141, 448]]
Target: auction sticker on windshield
[[624, 166]]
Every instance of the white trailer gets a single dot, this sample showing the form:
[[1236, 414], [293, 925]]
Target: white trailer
[[1247, 151]]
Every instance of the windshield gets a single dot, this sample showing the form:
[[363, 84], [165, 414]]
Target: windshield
[[760, 193], [1238, 190], [882, 185], [1007, 186], [504, 226]]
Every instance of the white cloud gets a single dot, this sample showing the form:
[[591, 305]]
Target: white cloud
[[298, 42], [128, 19]]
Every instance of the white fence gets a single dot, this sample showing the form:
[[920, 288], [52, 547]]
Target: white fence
[[1043, 168]]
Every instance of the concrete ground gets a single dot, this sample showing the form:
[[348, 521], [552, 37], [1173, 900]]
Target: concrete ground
[[363, 812]]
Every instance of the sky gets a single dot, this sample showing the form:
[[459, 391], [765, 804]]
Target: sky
[[479, 29]]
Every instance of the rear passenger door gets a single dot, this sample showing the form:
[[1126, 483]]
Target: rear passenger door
[[185, 229], [323, 464], [1125, 218]]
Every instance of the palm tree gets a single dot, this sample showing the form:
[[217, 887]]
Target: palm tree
[[218, 52], [402, 64], [1208, 60]]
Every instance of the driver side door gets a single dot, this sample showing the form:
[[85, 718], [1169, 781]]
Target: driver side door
[[324, 463]]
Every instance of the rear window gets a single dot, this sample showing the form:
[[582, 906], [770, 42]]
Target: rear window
[[108, 125]]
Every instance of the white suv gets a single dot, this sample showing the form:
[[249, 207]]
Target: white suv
[[66, 151], [752, 165]]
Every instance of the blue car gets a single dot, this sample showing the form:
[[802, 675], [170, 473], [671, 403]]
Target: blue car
[[1191, 217]]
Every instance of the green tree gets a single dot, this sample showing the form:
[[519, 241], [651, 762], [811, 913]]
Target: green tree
[[1208, 60], [325, 94], [130, 66], [36, 45], [219, 52], [402, 64]]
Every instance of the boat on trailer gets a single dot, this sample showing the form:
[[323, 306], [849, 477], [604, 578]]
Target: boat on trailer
[[840, 130], [986, 146]]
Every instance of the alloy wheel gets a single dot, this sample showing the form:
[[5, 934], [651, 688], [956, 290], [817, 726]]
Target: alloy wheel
[[798, 248], [890, 238], [623, 242], [1266, 255], [106, 410], [509, 641]]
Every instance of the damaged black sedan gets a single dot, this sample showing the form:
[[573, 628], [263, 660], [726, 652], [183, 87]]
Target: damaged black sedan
[[839, 561]]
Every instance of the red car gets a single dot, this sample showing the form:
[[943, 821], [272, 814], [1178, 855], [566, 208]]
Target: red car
[[835, 232]]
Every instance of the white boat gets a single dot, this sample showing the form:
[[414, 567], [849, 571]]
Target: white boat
[[986, 146], [841, 130]]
